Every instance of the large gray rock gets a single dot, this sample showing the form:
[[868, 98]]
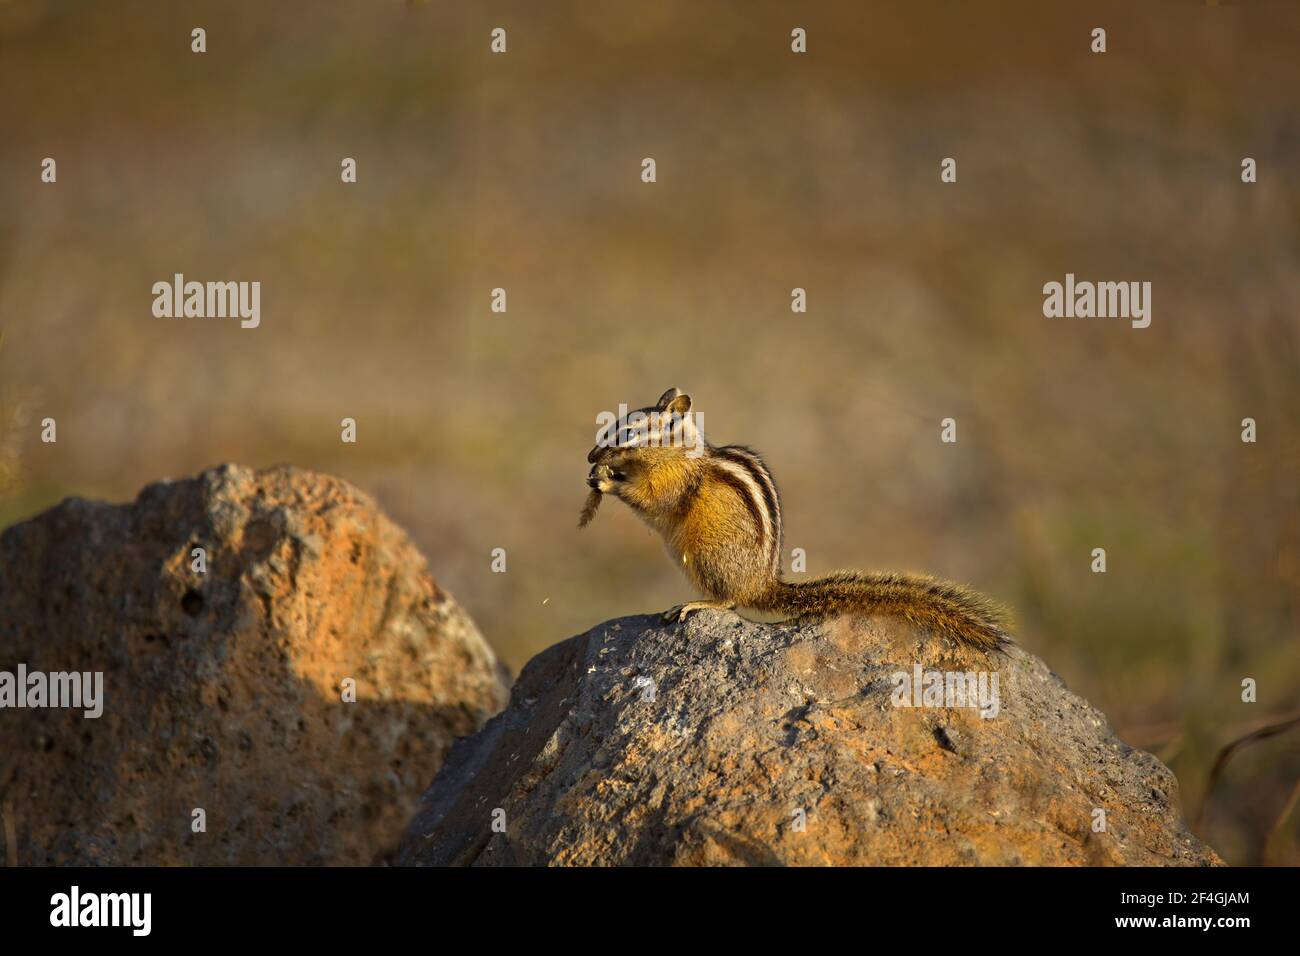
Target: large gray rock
[[722, 741], [223, 689]]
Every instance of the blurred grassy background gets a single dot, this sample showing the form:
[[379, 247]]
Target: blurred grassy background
[[775, 171]]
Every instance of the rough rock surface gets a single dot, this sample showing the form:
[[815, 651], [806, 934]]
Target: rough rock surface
[[704, 743], [223, 689]]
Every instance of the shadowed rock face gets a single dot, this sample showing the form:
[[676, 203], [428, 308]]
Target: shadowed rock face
[[222, 690], [722, 741]]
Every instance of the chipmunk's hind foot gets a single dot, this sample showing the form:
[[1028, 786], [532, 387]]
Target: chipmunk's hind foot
[[682, 611]]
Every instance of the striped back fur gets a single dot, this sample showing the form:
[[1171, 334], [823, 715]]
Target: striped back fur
[[744, 470]]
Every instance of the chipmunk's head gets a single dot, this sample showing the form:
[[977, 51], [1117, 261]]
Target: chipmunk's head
[[666, 430]]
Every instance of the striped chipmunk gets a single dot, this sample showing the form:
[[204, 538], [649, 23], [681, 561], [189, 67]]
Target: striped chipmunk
[[719, 514]]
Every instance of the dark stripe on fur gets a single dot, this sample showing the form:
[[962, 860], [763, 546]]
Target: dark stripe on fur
[[738, 485]]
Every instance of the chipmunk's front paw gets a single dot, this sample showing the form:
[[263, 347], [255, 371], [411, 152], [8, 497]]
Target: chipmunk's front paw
[[604, 478]]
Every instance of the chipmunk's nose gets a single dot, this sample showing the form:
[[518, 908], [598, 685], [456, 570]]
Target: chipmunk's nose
[[592, 455]]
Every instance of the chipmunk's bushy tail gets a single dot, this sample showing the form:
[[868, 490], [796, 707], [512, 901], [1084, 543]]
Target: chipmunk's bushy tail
[[942, 607]]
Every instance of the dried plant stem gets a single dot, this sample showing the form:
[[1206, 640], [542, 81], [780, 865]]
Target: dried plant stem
[[589, 509], [1225, 754]]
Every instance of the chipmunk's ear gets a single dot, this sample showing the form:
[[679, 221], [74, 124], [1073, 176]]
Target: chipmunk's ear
[[667, 397]]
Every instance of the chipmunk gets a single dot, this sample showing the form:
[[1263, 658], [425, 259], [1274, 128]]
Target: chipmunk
[[719, 513]]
